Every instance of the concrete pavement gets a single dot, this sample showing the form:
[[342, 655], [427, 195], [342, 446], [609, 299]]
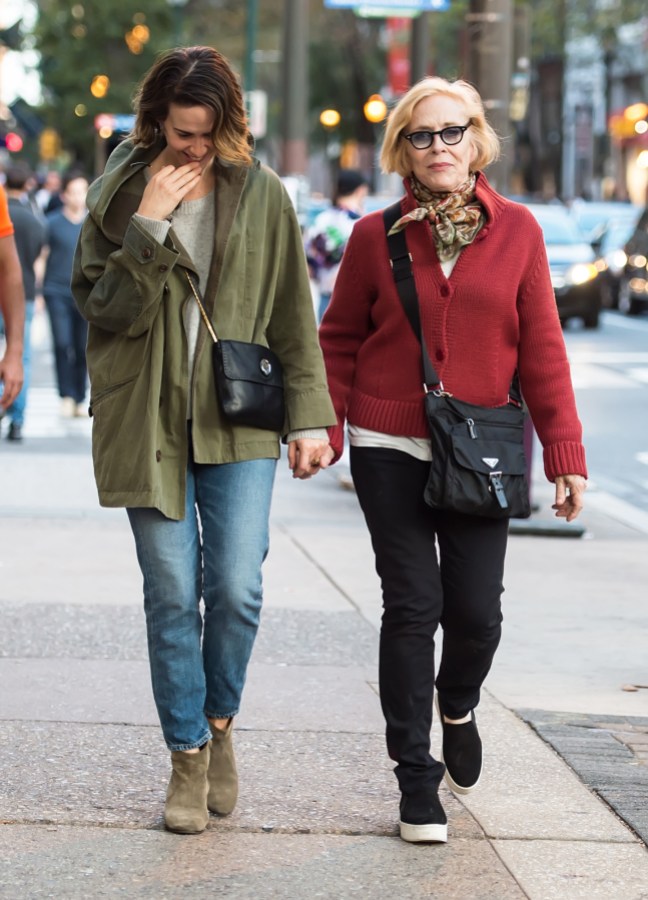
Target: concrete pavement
[[84, 769]]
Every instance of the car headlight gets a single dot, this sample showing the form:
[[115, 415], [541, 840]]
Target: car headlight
[[581, 273], [616, 261], [637, 261]]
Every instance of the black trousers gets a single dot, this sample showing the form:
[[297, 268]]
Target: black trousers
[[435, 567]]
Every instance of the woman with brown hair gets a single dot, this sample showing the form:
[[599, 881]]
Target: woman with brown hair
[[487, 309], [183, 207]]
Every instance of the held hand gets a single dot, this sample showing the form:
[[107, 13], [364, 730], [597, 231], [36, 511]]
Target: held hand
[[307, 456], [11, 377], [569, 496], [167, 188]]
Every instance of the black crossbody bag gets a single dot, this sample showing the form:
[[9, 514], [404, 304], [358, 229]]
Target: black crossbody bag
[[478, 463], [249, 378]]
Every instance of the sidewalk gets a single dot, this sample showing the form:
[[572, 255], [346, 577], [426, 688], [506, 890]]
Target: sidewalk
[[84, 769]]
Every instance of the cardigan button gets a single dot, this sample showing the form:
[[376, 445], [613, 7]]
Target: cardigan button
[[440, 355], [445, 290]]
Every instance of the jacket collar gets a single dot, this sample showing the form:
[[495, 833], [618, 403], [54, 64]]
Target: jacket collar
[[124, 176]]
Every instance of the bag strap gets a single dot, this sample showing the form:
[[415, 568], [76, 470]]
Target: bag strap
[[401, 263], [210, 327], [400, 260]]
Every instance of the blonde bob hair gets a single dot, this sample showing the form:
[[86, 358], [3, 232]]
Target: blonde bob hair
[[394, 152]]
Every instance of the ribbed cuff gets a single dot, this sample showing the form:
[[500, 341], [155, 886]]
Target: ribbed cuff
[[566, 458], [336, 440], [315, 434], [157, 228]]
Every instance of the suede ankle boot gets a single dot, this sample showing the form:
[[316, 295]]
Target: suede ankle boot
[[186, 802], [222, 775]]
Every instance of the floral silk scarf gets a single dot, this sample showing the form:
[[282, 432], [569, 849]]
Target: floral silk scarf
[[455, 218]]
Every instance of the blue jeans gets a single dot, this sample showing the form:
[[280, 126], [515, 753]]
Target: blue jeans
[[215, 552], [69, 336], [16, 411]]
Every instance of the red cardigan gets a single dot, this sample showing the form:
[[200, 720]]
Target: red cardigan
[[495, 312]]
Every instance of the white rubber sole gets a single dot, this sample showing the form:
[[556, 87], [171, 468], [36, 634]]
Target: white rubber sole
[[457, 788], [454, 787], [419, 834]]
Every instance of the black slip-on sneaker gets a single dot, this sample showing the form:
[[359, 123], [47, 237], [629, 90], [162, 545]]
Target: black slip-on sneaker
[[462, 754], [423, 819]]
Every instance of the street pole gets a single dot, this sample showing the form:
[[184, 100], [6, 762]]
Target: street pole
[[420, 45], [250, 45], [294, 157], [177, 7], [489, 69]]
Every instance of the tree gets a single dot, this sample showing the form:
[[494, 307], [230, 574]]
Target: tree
[[78, 42]]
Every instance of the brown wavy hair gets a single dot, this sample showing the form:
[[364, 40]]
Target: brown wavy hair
[[393, 155], [194, 76]]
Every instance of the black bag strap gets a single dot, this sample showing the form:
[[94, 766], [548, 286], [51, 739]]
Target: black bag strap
[[401, 263]]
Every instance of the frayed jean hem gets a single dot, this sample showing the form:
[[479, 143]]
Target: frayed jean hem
[[193, 746]]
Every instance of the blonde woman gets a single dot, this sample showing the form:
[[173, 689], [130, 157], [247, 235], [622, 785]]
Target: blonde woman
[[487, 308]]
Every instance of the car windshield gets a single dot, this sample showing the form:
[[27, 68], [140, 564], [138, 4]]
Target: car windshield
[[616, 236], [556, 226], [593, 216]]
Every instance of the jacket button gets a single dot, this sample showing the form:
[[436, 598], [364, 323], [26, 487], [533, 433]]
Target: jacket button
[[158, 455], [162, 268], [147, 253], [440, 355]]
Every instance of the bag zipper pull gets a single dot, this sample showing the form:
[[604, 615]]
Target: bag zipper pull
[[471, 428], [495, 479]]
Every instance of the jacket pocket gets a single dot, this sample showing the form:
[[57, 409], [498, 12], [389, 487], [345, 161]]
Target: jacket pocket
[[101, 396], [113, 359]]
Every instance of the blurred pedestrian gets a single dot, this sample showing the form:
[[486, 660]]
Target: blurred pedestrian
[[487, 309], [29, 231], [69, 328], [327, 237], [183, 207], [12, 310], [48, 196]]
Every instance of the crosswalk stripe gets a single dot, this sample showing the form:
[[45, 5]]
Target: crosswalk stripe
[[586, 375], [43, 419]]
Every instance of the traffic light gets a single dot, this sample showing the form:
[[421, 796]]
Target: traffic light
[[49, 144], [13, 142], [375, 109]]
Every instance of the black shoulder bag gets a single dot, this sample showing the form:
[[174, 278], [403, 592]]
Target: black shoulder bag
[[478, 463], [249, 378]]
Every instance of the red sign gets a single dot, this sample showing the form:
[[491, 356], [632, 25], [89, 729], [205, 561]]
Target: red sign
[[398, 55]]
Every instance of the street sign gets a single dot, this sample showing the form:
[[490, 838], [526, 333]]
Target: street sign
[[391, 6], [114, 121], [257, 104], [380, 12]]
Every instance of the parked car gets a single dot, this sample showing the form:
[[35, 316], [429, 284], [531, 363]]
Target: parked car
[[612, 258], [594, 216], [574, 275], [633, 285], [380, 201]]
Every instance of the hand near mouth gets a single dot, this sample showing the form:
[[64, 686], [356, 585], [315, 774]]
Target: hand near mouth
[[167, 188]]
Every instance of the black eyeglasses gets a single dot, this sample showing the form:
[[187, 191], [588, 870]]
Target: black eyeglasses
[[421, 140]]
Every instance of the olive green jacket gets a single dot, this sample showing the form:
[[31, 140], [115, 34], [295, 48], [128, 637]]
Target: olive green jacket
[[132, 289]]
